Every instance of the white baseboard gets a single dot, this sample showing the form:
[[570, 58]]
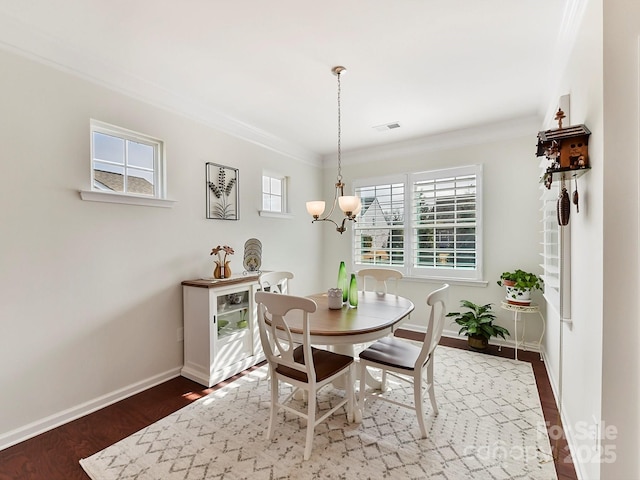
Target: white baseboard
[[569, 432], [48, 423], [527, 346]]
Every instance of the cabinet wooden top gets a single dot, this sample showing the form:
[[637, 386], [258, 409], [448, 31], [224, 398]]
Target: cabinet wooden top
[[220, 282]]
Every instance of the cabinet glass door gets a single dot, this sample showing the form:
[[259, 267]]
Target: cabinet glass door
[[233, 313]]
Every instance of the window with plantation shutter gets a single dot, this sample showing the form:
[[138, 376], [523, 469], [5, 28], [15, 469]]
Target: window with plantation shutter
[[426, 224], [556, 250], [445, 221], [379, 231]]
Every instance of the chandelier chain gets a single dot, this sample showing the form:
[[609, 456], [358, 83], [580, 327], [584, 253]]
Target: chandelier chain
[[339, 133]]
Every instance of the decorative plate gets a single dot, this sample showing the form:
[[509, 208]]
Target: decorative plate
[[252, 255]]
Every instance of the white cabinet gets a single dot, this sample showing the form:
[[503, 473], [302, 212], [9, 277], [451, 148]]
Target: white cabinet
[[220, 331]]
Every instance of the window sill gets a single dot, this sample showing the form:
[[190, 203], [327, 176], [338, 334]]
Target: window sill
[[266, 213], [125, 199], [464, 282]]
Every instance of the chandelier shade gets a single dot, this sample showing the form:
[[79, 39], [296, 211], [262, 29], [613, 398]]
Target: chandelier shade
[[348, 204], [315, 208]]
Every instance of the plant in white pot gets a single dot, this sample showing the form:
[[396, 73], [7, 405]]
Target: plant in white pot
[[519, 285]]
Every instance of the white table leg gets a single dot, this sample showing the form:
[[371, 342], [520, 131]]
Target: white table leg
[[349, 350], [345, 349]]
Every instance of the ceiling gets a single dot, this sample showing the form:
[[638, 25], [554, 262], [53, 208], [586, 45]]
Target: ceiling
[[262, 69]]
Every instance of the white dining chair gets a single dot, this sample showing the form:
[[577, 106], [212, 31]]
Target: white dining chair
[[302, 366], [275, 282], [408, 362], [383, 280]]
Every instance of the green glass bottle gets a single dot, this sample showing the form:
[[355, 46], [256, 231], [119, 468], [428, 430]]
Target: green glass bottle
[[342, 282], [353, 292]]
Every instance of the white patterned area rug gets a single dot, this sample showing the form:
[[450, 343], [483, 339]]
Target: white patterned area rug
[[490, 426]]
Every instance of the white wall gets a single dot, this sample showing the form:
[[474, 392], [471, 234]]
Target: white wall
[[600, 361], [621, 333], [579, 364], [511, 213], [90, 292]]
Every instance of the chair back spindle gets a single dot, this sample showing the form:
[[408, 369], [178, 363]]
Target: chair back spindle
[[275, 331], [275, 282], [437, 301], [384, 280]]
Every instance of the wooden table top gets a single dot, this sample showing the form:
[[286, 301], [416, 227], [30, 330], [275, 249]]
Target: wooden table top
[[221, 282], [375, 313]]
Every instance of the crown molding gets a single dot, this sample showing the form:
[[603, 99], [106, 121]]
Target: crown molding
[[23, 40], [476, 135]]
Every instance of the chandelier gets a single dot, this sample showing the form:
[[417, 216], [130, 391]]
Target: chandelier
[[350, 205]]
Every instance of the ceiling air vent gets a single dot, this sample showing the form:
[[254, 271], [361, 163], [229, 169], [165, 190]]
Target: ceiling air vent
[[387, 126]]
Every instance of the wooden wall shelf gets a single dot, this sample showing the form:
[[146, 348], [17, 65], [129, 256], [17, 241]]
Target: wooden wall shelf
[[566, 173]]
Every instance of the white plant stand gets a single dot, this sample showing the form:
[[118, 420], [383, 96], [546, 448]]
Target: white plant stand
[[518, 310]]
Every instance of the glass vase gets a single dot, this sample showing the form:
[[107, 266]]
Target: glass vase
[[353, 292], [342, 282]]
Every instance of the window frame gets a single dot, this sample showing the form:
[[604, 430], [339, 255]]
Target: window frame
[[409, 226], [284, 195], [159, 196]]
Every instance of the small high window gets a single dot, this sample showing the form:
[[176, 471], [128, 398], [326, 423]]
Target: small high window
[[126, 162], [274, 193]]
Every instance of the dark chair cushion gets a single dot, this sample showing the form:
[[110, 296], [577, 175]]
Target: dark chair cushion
[[326, 364], [392, 352]]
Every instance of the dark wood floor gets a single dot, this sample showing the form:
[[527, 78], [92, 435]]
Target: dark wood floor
[[54, 455]]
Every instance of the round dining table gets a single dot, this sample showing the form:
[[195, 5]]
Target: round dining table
[[377, 315]]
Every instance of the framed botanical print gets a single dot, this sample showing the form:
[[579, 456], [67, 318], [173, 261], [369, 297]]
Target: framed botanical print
[[222, 192]]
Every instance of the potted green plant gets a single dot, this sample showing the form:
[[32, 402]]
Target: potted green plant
[[477, 324], [519, 285]]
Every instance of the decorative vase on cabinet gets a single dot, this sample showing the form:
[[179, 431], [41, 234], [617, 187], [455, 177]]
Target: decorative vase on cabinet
[[222, 272]]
